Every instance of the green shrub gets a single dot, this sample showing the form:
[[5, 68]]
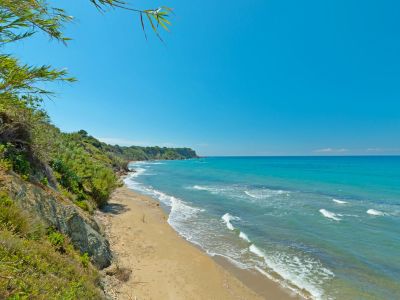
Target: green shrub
[[66, 176], [84, 170], [15, 159], [85, 259], [11, 217], [83, 204], [21, 164], [66, 193], [5, 163], [32, 267], [34, 270], [56, 239], [5, 199], [44, 181]]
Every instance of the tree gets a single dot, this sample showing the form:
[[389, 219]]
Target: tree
[[21, 19], [26, 135]]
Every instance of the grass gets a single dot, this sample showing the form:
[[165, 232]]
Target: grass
[[36, 263]]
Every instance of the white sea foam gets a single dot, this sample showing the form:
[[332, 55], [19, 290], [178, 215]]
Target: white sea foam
[[240, 192], [339, 201], [244, 236], [252, 195], [201, 188], [349, 215], [253, 248], [237, 263], [210, 189], [375, 212], [137, 172], [264, 193], [328, 214], [227, 218], [139, 162], [283, 284], [179, 210], [297, 274]]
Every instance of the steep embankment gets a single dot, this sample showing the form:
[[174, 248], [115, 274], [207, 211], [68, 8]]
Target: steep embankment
[[36, 260], [61, 214]]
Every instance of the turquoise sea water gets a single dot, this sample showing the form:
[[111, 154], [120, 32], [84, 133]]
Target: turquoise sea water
[[325, 227]]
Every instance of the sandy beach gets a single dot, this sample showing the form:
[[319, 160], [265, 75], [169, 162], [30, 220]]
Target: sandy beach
[[154, 262]]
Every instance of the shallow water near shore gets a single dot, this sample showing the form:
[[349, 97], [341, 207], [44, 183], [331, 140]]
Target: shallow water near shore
[[324, 227]]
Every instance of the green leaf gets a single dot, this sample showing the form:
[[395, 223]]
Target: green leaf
[[141, 21]]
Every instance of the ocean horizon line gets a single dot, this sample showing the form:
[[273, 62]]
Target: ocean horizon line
[[288, 156]]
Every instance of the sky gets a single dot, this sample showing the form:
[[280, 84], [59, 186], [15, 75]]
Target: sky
[[233, 77]]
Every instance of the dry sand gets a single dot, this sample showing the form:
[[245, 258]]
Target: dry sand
[[161, 264]]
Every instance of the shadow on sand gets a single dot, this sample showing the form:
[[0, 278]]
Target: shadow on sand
[[115, 208]]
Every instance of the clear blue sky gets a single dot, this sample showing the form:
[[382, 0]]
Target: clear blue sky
[[235, 78]]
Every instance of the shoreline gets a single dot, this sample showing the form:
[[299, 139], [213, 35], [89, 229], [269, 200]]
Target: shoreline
[[164, 265]]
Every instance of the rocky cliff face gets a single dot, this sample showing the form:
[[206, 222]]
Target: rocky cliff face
[[61, 213]]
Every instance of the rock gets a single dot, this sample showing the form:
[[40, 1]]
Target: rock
[[121, 273], [57, 211]]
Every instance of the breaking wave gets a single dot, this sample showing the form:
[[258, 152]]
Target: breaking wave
[[375, 212], [330, 215], [227, 218], [339, 201], [264, 193]]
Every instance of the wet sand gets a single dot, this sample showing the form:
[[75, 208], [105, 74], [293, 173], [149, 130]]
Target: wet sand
[[164, 265]]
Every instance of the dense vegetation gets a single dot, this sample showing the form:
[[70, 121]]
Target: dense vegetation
[[137, 152], [80, 166], [38, 262]]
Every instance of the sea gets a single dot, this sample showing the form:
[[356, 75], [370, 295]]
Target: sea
[[322, 227]]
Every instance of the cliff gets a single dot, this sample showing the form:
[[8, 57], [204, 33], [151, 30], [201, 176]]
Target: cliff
[[61, 214]]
